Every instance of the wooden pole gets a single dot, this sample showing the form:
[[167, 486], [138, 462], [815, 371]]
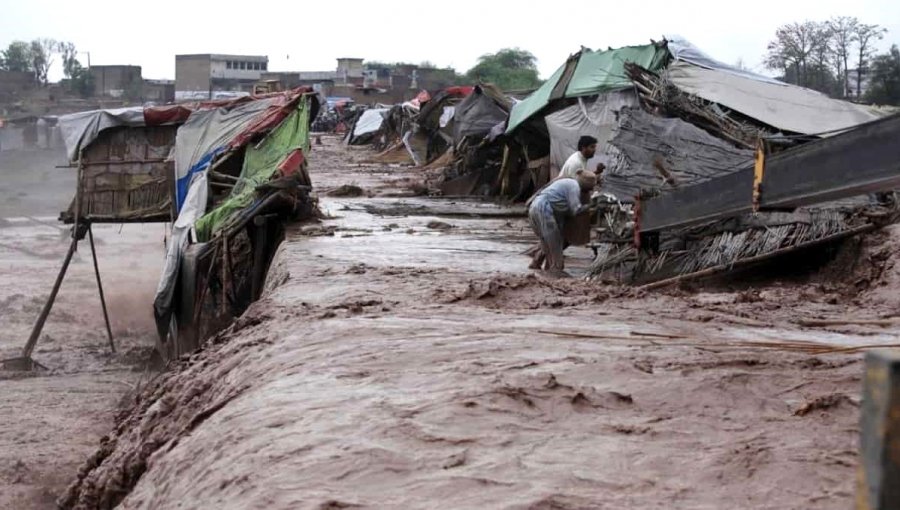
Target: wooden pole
[[878, 475], [112, 345], [42, 318]]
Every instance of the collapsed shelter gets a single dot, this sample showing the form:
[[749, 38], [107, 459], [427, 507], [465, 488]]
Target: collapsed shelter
[[224, 173]]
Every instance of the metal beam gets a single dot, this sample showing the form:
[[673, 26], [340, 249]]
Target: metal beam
[[725, 196], [862, 160]]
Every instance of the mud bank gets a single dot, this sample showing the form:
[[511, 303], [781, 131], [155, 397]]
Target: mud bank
[[393, 365]]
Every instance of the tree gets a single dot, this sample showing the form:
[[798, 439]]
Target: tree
[[68, 53], [16, 57], [81, 81], [42, 51], [884, 87], [819, 75], [842, 30], [865, 36], [792, 49], [509, 69]]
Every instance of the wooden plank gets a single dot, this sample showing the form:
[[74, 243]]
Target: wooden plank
[[878, 477]]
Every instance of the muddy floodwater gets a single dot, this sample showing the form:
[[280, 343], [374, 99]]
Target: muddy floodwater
[[403, 356]]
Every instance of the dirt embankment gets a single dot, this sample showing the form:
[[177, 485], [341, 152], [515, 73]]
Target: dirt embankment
[[393, 365]]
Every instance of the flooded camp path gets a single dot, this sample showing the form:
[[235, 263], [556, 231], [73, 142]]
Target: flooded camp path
[[404, 357]]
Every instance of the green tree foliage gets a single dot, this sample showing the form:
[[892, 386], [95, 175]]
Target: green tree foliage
[[16, 57], [884, 87], [509, 69]]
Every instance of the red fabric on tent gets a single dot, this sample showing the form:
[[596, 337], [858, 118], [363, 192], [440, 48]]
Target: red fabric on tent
[[291, 163]]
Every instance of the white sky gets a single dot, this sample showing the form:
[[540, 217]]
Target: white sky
[[304, 36]]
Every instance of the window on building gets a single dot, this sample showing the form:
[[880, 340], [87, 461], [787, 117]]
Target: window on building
[[265, 66], [228, 64], [243, 65]]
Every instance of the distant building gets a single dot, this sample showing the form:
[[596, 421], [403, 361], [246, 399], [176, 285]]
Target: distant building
[[350, 71], [320, 81], [351, 78], [117, 81], [13, 84], [159, 91], [202, 75]]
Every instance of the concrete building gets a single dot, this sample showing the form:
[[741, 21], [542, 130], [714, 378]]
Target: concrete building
[[203, 75], [353, 79], [321, 81], [14, 84], [350, 70], [159, 91], [117, 81]]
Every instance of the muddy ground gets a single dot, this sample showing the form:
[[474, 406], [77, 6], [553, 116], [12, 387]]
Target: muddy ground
[[404, 357], [50, 421]]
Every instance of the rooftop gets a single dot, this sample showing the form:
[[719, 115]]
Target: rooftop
[[219, 56]]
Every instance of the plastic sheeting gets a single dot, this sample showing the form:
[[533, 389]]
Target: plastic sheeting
[[782, 106], [370, 121], [595, 72], [682, 49], [260, 164], [447, 116], [479, 113], [206, 134], [80, 129], [688, 154], [594, 117]]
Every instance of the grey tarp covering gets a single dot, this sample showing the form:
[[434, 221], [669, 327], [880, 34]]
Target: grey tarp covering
[[370, 121], [682, 49], [597, 117], [478, 113], [80, 129], [782, 106], [689, 154], [204, 132]]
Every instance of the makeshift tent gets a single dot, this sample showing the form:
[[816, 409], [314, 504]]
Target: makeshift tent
[[367, 126], [206, 139], [782, 106], [594, 116], [478, 113], [261, 164], [647, 152], [588, 73]]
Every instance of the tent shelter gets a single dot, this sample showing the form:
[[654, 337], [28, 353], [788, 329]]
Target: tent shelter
[[214, 170]]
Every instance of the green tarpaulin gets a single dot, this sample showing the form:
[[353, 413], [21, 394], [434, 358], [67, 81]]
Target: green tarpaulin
[[260, 164], [595, 72]]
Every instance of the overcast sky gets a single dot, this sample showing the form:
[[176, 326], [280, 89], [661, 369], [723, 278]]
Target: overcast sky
[[308, 36]]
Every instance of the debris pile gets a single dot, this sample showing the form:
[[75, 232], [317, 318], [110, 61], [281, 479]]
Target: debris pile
[[667, 117]]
